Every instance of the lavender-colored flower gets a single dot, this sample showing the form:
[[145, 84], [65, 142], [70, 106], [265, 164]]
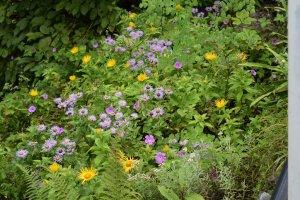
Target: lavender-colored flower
[[92, 118], [71, 144], [60, 151], [150, 55], [178, 65], [122, 133], [158, 111], [140, 33], [110, 41], [70, 151], [46, 147], [134, 67], [83, 111], [136, 105], [144, 97], [53, 49], [71, 101], [55, 130], [148, 72], [168, 91], [200, 14], [274, 42], [131, 62], [160, 89], [181, 154], [52, 142], [196, 145], [113, 130], [152, 113], [65, 141], [62, 104], [79, 94], [118, 115], [172, 141], [208, 8], [22, 153], [195, 10], [41, 127], [32, 143], [158, 94], [45, 96], [57, 100], [106, 97], [122, 103], [102, 116], [148, 88], [134, 115], [118, 123], [168, 43], [58, 158], [160, 158], [140, 63], [129, 29], [225, 22], [70, 111], [149, 139], [106, 123], [110, 110], [118, 94], [184, 142], [95, 45], [32, 109], [253, 72]]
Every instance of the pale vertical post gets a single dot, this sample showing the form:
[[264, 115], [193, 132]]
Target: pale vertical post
[[294, 99]]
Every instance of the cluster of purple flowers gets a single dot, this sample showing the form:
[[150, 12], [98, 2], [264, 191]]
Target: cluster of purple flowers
[[110, 41], [216, 8], [69, 104], [56, 130], [159, 92], [120, 49], [136, 34]]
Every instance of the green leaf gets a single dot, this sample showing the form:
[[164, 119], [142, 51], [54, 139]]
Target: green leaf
[[194, 196], [44, 29], [168, 193]]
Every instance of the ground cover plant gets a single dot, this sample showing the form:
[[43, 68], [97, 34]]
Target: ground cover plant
[[179, 100]]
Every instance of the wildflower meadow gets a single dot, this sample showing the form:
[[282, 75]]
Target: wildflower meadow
[[150, 99]]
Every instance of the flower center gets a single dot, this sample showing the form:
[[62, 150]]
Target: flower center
[[128, 163], [87, 175]]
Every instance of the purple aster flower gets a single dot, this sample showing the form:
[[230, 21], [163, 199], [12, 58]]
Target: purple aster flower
[[103, 116], [225, 22], [22, 153], [158, 111], [62, 104], [160, 158], [181, 154], [118, 94], [41, 127], [208, 8], [195, 10], [70, 151], [31, 109], [92, 118], [110, 110], [46, 147], [106, 97], [134, 115], [122, 133], [71, 144], [148, 88], [183, 143], [58, 158], [55, 130], [65, 141], [148, 72], [150, 55], [52, 142], [168, 91], [129, 28], [113, 130], [53, 49], [32, 143], [131, 62], [200, 14], [45, 96], [57, 100], [178, 65], [160, 88], [110, 41], [140, 33], [140, 63], [70, 111], [122, 103], [149, 139], [196, 145], [95, 45], [79, 94], [118, 123], [134, 67], [119, 115], [253, 72], [172, 141], [60, 151], [274, 42], [71, 101], [158, 94], [152, 113], [144, 97], [136, 105], [83, 111], [106, 123], [168, 43]]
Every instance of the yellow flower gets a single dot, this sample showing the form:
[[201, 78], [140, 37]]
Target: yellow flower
[[129, 164], [178, 6], [111, 63], [33, 93], [132, 15], [74, 50], [220, 103], [166, 148], [54, 167], [86, 59], [131, 24], [46, 182], [210, 56], [87, 174], [242, 56], [98, 130], [142, 77], [72, 78]]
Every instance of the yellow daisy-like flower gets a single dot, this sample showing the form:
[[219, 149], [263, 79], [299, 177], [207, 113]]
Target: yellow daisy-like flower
[[98, 130], [54, 167], [33, 93], [178, 6], [72, 78], [142, 77], [132, 15], [74, 50], [129, 164], [87, 174], [166, 148], [220, 103], [86, 59], [210, 56], [131, 24], [111, 63], [242, 56]]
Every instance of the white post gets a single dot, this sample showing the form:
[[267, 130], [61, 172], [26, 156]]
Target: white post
[[294, 99]]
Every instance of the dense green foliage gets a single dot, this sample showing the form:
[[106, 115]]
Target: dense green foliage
[[193, 94]]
